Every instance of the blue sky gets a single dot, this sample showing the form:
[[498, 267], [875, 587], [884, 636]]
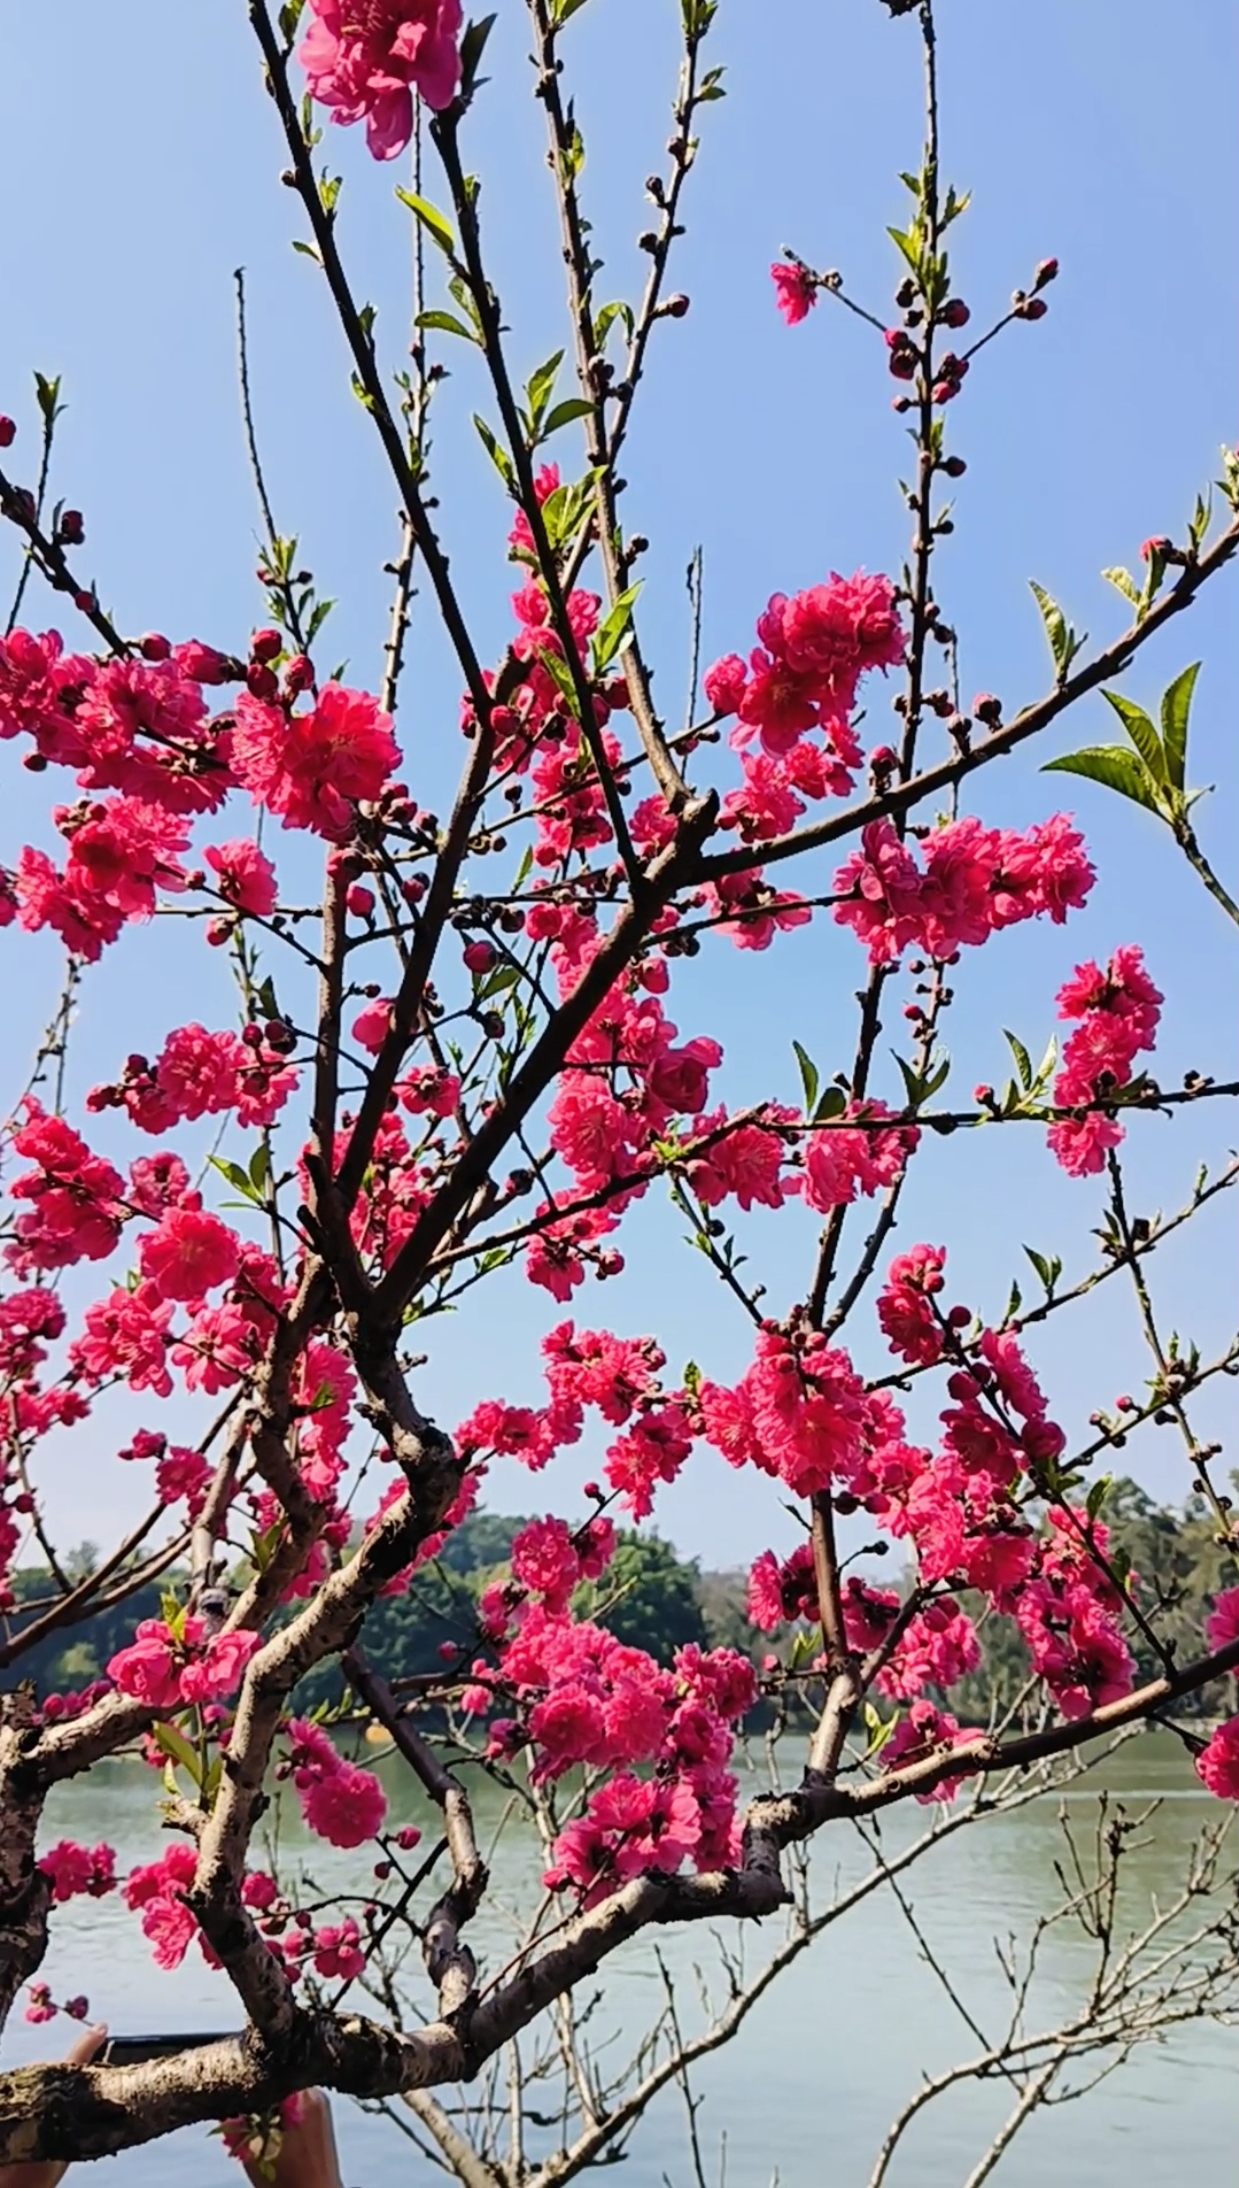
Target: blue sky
[[141, 165]]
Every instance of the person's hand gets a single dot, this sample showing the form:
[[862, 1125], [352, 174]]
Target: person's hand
[[45, 2172], [306, 2152]]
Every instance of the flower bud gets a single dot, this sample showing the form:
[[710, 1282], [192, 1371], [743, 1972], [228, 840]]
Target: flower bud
[[1033, 307], [987, 708], [360, 901], [154, 647], [954, 466], [8, 432], [72, 529], [1046, 272], [265, 645], [261, 681], [955, 313], [480, 957], [298, 675]]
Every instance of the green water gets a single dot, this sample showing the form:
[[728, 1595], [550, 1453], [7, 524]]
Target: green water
[[843, 2038]]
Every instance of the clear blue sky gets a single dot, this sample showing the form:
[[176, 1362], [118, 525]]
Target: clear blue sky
[[141, 164]]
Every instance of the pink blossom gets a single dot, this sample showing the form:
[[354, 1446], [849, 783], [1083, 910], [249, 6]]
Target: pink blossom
[[724, 684], [74, 1869], [314, 769], [40, 2007], [337, 1951], [148, 1669], [1222, 1625], [904, 1309], [1218, 1763], [365, 58], [189, 1254], [924, 1732], [795, 291], [246, 875], [339, 1801], [217, 1673], [74, 1197]]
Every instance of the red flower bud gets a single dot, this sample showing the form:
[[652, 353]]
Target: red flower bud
[[262, 681], [1033, 307], [154, 647], [298, 675], [8, 432], [480, 957], [264, 645], [1046, 272], [72, 527], [955, 313]]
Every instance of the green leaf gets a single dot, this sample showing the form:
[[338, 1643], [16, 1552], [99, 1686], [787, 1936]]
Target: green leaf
[[1049, 1268], [1141, 731], [573, 406], [1176, 707], [1064, 645], [607, 317], [260, 1167], [1023, 1061], [909, 245], [1112, 765], [444, 322], [236, 1176], [1015, 1301], [610, 633], [1125, 583], [561, 10], [498, 456], [438, 227], [176, 1747], [832, 1104], [1097, 1496], [914, 1084], [539, 385], [809, 1077]]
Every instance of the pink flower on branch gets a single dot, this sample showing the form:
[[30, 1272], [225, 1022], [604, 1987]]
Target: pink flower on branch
[[366, 58]]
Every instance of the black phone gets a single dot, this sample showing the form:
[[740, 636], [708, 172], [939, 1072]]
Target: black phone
[[137, 2050]]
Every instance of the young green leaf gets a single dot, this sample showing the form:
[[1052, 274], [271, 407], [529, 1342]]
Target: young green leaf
[[832, 1104], [1141, 731], [572, 406], [173, 1743], [1064, 644], [1112, 765], [236, 1176], [438, 227], [1097, 1496], [1023, 1061], [445, 322], [610, 633], [1176, 707], [498, 456], [809, 1077], [1123, 582], [539, 386]]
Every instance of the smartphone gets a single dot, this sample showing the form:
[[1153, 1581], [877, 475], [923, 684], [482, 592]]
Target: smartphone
[[136, 2050]]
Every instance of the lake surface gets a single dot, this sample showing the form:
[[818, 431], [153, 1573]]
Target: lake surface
[[805, 2091]]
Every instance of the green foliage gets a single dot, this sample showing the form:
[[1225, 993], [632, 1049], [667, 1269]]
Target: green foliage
[[1152, 771]]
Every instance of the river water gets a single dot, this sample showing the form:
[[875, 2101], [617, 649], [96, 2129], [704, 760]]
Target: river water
[[839, 2043]]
